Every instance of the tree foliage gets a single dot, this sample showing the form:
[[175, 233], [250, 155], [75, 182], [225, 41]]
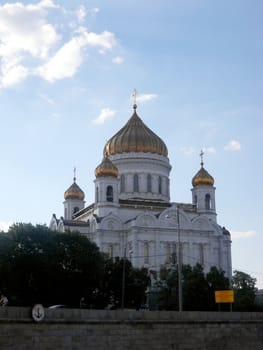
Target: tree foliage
[[245, 291], [38, 265], [168, 289], [198, 288], [118, 272], [196, 292]]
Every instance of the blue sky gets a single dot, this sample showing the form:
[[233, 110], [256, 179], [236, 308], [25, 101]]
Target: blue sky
[[67, 72]]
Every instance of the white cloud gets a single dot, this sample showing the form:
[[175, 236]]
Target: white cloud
[[4, 226], [188, 150], [106, 40], [29, 42], [105, 114], [24, 29], [209, 150], [208, 128], [68, 58], [94, 10], [233, 146], [24, 32], [145, 97], [48, 4], [47, 99], [118, 60], [242, 234], [64, 63], [12, 75], [81, 13]]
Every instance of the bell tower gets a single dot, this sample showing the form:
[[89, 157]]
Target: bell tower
[[203, 192], [106, 187], [74, 199]]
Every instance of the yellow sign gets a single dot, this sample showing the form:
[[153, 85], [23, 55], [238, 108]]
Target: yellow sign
[[224, 296]]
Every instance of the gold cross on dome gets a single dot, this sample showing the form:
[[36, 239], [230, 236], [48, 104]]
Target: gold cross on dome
[[202, 157], [74, 172]]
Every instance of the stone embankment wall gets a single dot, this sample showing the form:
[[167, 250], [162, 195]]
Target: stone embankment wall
[[80, 329]]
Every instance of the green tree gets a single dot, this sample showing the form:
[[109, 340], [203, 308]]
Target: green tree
[[77, 268], [52, 268], [168, 289], [217, 281], [135, 283], [198, 287], [245, 291], [6, 243], [195, 288], [38, 265], [138, 281], [19, 260]]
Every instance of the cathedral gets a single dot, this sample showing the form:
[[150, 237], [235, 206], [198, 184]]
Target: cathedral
[[132, 215]]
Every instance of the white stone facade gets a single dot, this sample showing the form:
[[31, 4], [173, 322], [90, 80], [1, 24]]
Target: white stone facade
[[132, 215]]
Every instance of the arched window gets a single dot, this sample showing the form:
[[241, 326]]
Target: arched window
[[109, 194], [167, 187], [146, 252], [75, 210], [160, 184], [130, 251], [201, 254], [97, 195], [168, 253], [195, 199], [208, 201], [135, 183], [149, 183], [122, 183], [110, 250], [174, 254]]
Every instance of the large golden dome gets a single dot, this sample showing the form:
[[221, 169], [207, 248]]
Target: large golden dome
[[135, 136], [106, 168], [74, 192], [202, 178]]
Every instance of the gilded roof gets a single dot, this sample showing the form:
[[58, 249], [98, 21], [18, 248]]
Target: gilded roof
[[74, 192], [106, 168], [202, 178], [135, 136]]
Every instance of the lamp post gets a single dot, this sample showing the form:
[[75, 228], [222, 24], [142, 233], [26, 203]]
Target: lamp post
[[180, 289]]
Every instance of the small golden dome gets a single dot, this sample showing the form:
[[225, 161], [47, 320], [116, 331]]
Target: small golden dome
[[135, 136], [106, 168], [202, 178], [74, 192]]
